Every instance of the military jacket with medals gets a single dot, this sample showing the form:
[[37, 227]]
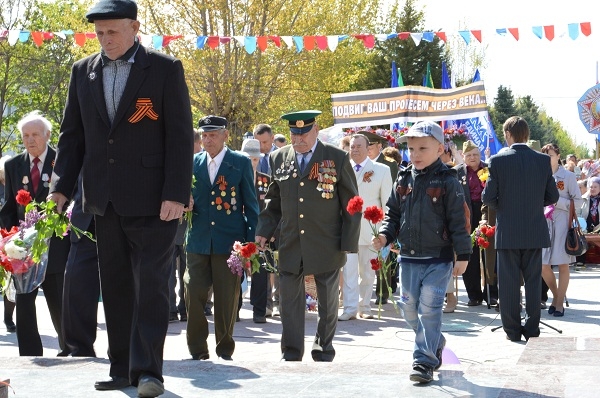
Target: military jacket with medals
[[316, 229]]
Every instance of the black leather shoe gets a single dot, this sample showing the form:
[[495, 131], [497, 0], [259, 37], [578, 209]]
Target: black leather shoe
[[200, 357], [10, 326], [383, 301], [173, 317], [259, 319], [183, 317], [474, 303], [226, 357], [150, 387], [115, 383]]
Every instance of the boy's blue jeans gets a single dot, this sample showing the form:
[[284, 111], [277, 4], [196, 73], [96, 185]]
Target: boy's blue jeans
[[423, 291]]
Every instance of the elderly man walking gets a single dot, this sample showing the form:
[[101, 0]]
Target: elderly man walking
[[128, 128], [312, 184]]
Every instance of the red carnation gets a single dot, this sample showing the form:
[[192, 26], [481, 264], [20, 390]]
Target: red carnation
[[375, 264], [483, 229], [355, 205], [11, 232], [374, 214], [490, 232], [23, 197], [248, 250], [481, 241]]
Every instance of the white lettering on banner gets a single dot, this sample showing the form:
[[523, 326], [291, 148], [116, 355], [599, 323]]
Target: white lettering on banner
[[376, 107], [477, 132], [348, 110], [443, 105], [469, 100]]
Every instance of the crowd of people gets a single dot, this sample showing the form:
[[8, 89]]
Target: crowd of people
[[167, 203]]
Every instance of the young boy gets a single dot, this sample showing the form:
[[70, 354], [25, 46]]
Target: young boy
[[428, 214]]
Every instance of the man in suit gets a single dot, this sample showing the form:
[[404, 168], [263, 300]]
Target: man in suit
[[127, 128], [374, 186], [376, 146], [519, 186], [82, 284], [31, 171], [312, 184], [225, 211]]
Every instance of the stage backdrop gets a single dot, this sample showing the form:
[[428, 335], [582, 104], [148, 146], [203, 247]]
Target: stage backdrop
[[465, 105]]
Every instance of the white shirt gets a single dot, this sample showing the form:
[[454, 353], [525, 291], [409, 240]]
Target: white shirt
[[214, 164], [362, 164]]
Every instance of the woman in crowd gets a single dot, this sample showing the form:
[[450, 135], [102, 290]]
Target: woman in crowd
[[558, 224], [589, 211]]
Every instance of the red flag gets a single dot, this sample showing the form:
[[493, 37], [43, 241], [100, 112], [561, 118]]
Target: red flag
[[549, 32], [514, 32], [309, 43], [404, 35], [586, 28], [261, 42], [477, 34], [169, 38], [276, 40], [90, 35], [38, 38], [441, 35], [368, 40], [213, 42], [79, 39], [224, 39], [48, 35], [321, 42]]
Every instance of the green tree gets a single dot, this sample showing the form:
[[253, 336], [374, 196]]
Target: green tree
[[37, 77], [259, 87], [503, 108], [410, 58]]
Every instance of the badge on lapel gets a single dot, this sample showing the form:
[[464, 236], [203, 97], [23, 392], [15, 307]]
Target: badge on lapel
[[25, 181]]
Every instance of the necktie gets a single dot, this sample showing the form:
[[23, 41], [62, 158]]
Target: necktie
[[264, 164], [357, 167], [35, 175], [212, 171], [303, 161]]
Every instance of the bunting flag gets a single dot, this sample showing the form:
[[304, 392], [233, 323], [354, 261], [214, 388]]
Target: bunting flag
[[575, 31]]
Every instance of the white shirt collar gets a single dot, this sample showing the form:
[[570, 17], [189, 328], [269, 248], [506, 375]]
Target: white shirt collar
[[42, 158], [219, 158], [362, 165]]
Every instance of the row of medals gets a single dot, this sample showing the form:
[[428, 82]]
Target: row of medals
[[233, 201], [327, 178]]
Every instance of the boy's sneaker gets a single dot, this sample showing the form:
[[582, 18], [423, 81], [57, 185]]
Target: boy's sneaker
[[421, 373], [438, 353]]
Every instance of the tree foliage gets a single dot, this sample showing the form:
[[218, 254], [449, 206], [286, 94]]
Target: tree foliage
[[36, 78], [257, 88]]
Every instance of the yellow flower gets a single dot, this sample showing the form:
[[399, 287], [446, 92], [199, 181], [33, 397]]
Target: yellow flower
[[483, 174]]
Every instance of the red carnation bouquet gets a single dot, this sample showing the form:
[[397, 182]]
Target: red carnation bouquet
[[482, 235], [381, 264], [24, 249]]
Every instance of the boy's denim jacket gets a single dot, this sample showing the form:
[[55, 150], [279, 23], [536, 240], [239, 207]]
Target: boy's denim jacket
[[428, 214]]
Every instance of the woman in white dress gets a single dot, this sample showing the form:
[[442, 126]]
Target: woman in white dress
[[558, 224]]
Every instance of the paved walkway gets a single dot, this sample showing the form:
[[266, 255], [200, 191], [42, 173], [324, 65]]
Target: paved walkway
[[373, 358]]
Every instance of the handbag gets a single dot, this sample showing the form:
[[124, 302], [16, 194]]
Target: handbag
[[575, 244]]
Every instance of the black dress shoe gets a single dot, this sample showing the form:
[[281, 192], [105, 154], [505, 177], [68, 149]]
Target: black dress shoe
[[10, 326], [322, 356], [200, 357], [226, 357], [183, 317], [173, 317], [259, 319], [150, 387], [474, 303], [115, 383], [383, 301]]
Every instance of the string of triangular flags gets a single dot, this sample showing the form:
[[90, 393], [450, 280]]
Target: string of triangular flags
[[309, 43]]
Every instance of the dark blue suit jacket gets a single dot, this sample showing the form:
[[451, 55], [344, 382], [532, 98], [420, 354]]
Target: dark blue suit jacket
[[519, 186], [223, 213]]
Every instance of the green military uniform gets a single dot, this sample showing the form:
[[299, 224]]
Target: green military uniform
[[316, 233]]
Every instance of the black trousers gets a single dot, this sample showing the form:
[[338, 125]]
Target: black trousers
[[135, 256], [80, 298], [258, 292], [28, 336], [472, 276]]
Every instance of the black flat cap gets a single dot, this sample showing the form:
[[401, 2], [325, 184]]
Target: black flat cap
[[212, 122], [112, 9]]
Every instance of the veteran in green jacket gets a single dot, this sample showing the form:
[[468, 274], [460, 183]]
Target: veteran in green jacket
[[311, 185]]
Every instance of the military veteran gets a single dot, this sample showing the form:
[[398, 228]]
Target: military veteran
[[312, 183]]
